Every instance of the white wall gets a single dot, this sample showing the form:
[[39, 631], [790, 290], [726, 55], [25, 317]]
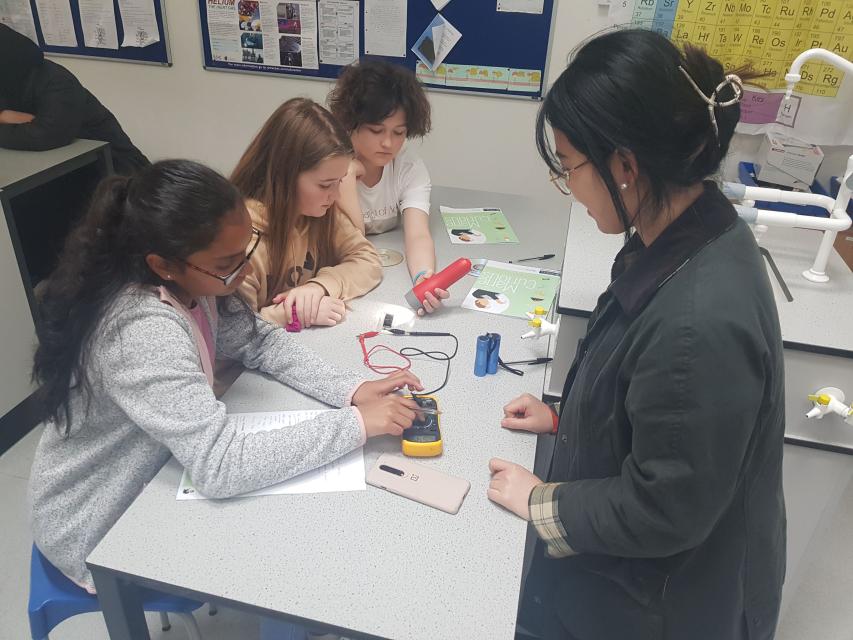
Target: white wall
[[477, 142], [185, 111]]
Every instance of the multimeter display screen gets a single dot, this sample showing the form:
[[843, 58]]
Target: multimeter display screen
[[425, 426], [420, 438]]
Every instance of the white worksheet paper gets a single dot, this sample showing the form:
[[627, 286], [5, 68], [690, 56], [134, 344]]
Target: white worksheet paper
[[139, 22], [98, 19], [385, 28], [295, 49], [344, 474], [339, 31], [449, 36], [57, 27], [18, 15]]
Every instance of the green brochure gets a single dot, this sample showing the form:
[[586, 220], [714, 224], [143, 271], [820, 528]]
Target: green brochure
[[477, 226], [512, 290]]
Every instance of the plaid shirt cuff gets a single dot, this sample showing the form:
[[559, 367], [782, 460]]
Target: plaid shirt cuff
[[545, 516]]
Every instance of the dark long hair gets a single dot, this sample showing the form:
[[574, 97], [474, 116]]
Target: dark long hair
[[623, 91], [172, 209]]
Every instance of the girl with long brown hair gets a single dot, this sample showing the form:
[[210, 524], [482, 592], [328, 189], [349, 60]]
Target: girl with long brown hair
[[311, 255]]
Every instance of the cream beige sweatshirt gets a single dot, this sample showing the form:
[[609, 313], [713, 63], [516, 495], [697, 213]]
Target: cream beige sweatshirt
[[357, 269]]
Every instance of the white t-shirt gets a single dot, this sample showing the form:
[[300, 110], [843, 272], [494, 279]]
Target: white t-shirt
[[404, 184]]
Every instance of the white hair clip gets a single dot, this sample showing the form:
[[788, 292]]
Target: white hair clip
[[712, 102]]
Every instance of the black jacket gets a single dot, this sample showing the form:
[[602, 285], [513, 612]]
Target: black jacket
[[63, 108], [669, 449]]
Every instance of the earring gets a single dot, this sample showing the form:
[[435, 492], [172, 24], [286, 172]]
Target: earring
[[168, 277], [623, 186]]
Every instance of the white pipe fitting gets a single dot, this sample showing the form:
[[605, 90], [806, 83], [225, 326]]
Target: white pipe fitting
[[830, 400], [793, 76], [539, 325]]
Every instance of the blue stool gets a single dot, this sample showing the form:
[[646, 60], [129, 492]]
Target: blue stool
[[54, 598], [280, 630]]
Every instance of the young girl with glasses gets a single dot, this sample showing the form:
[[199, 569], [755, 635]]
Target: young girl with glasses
[[382, 105], [311, 256], [140, 305]]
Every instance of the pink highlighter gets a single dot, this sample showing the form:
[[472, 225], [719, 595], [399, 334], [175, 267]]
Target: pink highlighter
[[441, 280], [295, 326]]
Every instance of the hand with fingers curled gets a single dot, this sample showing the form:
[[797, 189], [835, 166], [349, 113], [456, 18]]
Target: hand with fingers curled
[[332, 311], [528, 413], [511, 485], [432, 299], [306, 298]]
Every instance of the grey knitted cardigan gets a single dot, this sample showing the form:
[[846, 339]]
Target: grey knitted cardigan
[[151, 399]]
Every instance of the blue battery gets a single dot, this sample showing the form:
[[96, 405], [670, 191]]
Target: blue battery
[[494, 351], [481, 361]]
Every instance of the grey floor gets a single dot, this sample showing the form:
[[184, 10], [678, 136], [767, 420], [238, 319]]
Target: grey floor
[[817, 604]]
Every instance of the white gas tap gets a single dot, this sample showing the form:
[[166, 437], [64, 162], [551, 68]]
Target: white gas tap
[[830, 400], [540, 326]]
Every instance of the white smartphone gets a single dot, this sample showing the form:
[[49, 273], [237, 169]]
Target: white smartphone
[[419, 483]]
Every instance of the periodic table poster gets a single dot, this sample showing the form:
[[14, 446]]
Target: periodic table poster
[[769, 34]]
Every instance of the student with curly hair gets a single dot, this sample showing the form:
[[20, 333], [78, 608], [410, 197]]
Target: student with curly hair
[[382, 105]]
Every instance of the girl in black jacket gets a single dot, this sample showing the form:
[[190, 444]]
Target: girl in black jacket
[[662, 515]]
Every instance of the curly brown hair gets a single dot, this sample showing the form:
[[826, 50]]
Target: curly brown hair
[[371, 90]]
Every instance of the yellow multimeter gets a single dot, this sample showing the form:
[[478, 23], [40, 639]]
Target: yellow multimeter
[[423, 438]]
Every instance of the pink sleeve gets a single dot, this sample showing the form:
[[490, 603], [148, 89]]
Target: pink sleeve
[[360, 419], [358, 415], [353, 391]]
